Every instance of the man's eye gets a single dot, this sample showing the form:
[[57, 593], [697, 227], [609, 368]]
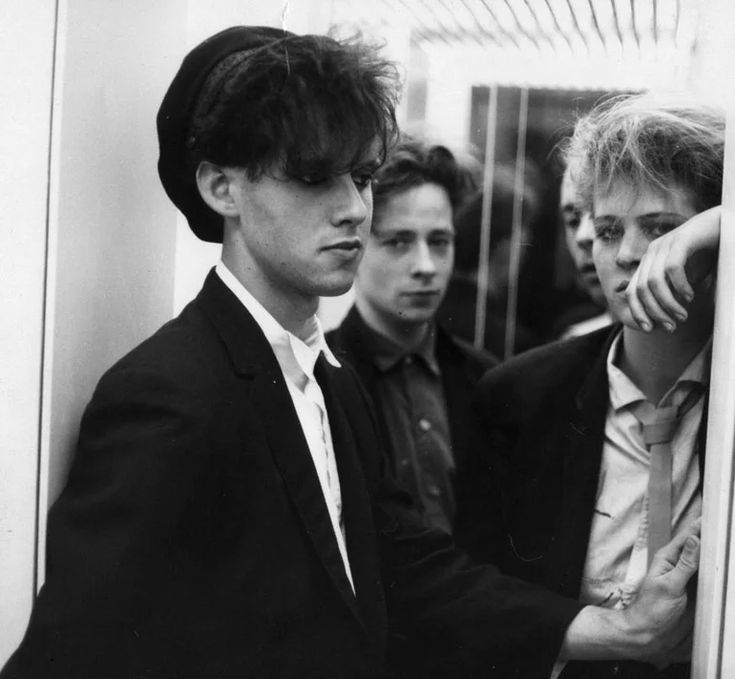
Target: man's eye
[[572, 219], [314, 179], [441, 243], [608, 231], [362, 179], [397, 243], [658, 229]]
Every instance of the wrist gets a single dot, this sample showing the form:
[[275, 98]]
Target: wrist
[[605, 634]]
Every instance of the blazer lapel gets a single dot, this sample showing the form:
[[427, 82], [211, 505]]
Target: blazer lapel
[[342, 402], [291, 454]]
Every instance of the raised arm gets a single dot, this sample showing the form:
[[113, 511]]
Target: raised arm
[[672, 268]]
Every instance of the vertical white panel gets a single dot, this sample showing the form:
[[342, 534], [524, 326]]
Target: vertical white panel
[[713, 79], [26, 67], [722, 532]]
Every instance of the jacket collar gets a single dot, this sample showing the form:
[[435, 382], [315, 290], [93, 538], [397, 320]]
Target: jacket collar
[[592, 397], [373, 347], [234, 323]]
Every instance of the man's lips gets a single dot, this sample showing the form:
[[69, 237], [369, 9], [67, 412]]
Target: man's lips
[[347, 244], [348, 248], [421, 293]]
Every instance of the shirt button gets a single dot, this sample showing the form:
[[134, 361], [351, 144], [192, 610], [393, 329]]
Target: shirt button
[[424, 424]]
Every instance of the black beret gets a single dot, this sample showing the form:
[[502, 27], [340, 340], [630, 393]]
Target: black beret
[[174, 119]]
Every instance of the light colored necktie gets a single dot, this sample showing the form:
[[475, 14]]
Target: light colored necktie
[[658, 426]]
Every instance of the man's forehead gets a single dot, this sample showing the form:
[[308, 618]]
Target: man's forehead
[[569, 196]]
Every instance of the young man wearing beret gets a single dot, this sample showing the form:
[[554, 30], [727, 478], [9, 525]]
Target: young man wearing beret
[[227, 514]]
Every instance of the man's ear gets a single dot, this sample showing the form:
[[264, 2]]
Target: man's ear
[[214, 184]]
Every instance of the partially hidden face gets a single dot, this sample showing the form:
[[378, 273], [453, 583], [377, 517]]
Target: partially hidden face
[[579, 234], [303, 237], [625, 221], [407, 265]]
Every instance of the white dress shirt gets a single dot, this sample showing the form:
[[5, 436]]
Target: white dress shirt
[[297, 359]]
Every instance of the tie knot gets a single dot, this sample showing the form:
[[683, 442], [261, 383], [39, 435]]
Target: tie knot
[[659, 431], [657, 424]]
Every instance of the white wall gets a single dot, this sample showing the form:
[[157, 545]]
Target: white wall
[[713, 79], [26, 62], [112, 230], [106, 243]]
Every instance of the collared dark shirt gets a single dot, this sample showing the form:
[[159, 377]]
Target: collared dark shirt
[[410, 395]]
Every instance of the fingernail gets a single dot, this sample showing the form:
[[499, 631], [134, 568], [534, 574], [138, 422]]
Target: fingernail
[[646, 326], [669, 326], [681, 317]]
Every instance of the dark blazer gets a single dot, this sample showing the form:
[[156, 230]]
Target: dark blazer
[[544, 416], [192, 539], [461, 367]]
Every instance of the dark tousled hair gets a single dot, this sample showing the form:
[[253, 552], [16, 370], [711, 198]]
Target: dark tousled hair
[[649, 141], [413, 162], [304, 104]]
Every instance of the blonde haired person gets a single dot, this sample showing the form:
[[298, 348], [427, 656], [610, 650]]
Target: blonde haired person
[[587, 492]]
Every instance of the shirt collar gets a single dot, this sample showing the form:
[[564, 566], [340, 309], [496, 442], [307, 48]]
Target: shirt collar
[[624, 393], [385, 353], [295, 356]]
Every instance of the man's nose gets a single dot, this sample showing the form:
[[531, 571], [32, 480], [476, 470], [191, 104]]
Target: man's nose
[[422, 264], [585, 233], [632, 246], [352, 206]]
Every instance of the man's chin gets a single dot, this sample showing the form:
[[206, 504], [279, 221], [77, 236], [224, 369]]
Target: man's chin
[[336, 286], [417, 316]]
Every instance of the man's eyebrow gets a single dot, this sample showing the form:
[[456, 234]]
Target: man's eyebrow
[[662, 217], [388, 231]]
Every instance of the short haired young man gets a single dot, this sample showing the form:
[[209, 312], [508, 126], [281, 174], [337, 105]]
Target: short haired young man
[[226, 514], [419, 376]]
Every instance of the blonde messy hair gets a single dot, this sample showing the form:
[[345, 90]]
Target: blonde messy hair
[[649, 141]]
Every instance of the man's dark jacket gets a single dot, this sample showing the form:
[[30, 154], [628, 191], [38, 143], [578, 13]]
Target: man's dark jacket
[[192, 539], [538, 464], [461, 368]]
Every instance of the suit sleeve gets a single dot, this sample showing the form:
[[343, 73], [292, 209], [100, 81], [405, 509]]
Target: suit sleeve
[[110, 534], [455, 617], [451, 616]]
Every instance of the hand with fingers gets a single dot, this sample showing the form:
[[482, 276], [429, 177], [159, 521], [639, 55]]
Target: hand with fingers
[[656, 627], [674, 264], [661, 608]]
